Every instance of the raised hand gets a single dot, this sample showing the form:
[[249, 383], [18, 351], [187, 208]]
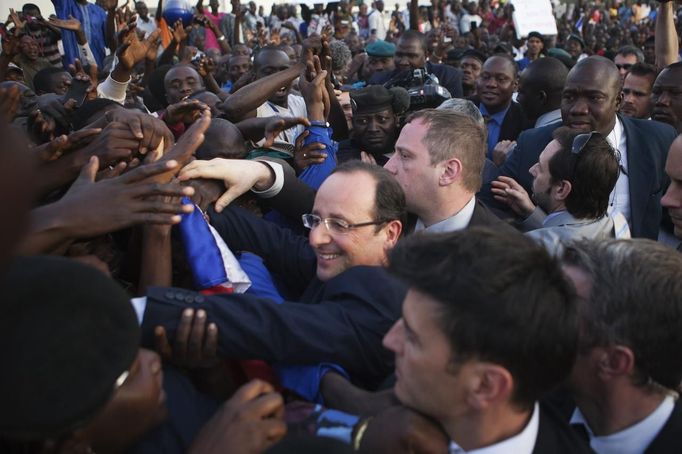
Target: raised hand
[[277, 125], [311, 83], [94, 208], [64, 144], [195, 344], [14, 17], [71, 23], [179, 32], [510, 192], [238, 175], [132, 50], [307, 155], [187, 111], [249, 423]]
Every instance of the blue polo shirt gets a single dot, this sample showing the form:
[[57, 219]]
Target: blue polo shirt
[[494, 125]]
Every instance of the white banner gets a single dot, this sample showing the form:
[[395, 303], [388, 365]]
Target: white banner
[[533, 16]]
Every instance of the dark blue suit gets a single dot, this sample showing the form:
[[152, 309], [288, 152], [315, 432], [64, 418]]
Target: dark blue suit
[[448, 77], [647, 149], [340, 321]]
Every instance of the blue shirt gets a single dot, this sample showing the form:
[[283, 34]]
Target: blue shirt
[[94, 21], [315, 174], [494, 125]]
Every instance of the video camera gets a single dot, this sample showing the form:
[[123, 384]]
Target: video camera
[[424, 89]]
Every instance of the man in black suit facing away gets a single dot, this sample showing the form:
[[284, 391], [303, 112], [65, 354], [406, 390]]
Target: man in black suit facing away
[[590, 102], [411, 54], [628, 371]]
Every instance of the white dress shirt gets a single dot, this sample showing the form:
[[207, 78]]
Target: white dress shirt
[[619, 200], [459, 221], [522, 443], [633, 440]]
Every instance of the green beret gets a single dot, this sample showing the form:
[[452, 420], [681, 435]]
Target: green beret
[[67, 332], [562, 56], [380, 48], [376, 98]]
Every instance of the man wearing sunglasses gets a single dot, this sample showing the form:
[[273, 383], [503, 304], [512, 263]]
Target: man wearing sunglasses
[[626, 58], [590, 102], [572, 181]]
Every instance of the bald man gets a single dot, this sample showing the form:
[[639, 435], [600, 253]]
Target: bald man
[[590, 102]]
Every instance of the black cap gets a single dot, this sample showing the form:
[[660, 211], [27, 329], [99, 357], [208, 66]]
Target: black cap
[[67, 333], [575, 37], [376, 98], [473, 53], [536, 35], [503, 48]]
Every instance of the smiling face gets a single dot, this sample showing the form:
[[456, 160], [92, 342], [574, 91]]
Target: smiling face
[[591, 97], [271, 61], [497, 83], [351, 198], [672, 200]]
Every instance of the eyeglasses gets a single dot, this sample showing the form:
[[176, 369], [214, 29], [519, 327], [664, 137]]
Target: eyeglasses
[[335, 225], [626, 66]]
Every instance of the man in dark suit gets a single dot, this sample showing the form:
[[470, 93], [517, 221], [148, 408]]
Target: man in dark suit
[[590, 102], [672, 200], [628, 370], [489, 325], [411, 54], [495, 87], [345, 300]]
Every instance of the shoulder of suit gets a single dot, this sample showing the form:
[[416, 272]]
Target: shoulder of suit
[[536, 133], [648, 125]]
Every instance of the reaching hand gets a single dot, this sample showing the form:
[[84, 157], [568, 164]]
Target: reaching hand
[[71, 23], [238, 175], [249, 423], [132, 50], [509, 191], [276, 125], [14, 17], [187, 111], [311, 83], [401, 430], [205, 66], [150, 131], [179, 32], [196, 341], [502, 150], [94, 208], [63, 144], [307, 155]]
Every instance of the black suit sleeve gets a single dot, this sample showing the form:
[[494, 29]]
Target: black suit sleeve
[[346, 327]]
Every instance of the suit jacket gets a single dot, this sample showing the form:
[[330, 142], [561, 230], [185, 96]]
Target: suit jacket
[[448, 77], [555, 436], [647, 149], [514, 123], [668, 439], [563, 227], [341, 321]]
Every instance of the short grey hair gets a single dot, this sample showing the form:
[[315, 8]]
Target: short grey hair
[[464, 106]]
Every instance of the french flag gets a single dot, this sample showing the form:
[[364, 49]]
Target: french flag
[[215, 269]]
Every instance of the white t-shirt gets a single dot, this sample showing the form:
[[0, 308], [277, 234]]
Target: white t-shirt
[[146, 27], [296, 109]]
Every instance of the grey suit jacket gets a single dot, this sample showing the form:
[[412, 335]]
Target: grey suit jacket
[[563, 228]]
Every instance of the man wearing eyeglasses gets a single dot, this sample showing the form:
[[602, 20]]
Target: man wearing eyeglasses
[[572, 181], [590, 102], [339, 299]]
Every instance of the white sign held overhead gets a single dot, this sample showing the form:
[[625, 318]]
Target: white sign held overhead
[[533, 15]]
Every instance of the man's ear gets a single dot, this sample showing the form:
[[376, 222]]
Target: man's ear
[[489, 385], [542, 94], [451, 171], [563, 189], [393, 229], [615, 361]]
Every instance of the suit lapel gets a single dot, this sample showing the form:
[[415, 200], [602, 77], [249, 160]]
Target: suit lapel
[[640, 168]]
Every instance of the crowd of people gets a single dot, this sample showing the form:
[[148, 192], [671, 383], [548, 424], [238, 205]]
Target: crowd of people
[[340, 228]]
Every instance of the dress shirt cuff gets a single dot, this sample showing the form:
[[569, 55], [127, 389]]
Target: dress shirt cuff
[[278, 183]]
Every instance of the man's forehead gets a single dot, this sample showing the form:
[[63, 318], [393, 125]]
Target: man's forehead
[[181, 73], [344, 193], [383, 113], [669, 78]]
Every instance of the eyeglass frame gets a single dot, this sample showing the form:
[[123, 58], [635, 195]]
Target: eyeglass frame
[[346, 226]]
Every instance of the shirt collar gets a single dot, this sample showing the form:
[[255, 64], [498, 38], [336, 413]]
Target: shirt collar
[[497, 117], [521, 443], [635, 438], [458, 221], [548, 118]]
